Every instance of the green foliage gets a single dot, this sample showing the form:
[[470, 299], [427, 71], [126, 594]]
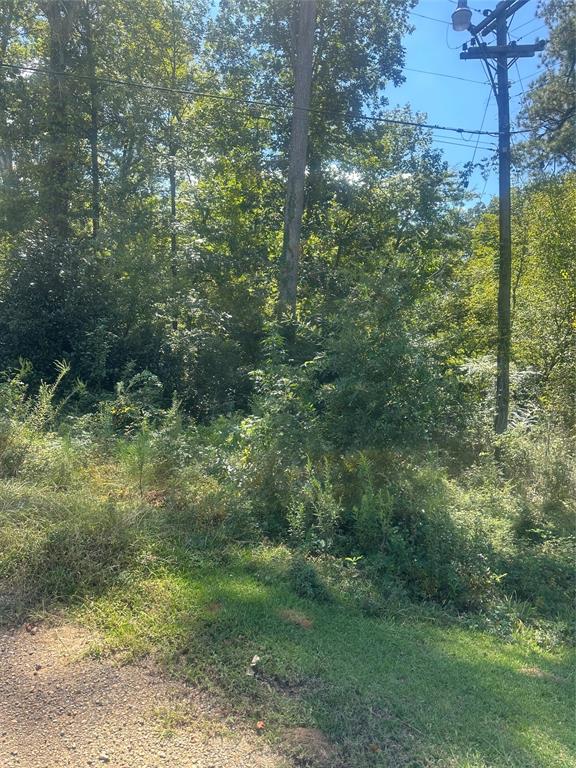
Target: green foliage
[[543, 303], [314, 512], [305, 581], [24, 416], [139, 240], [58, 547], [372, 514], [548, 109], [52, 299]]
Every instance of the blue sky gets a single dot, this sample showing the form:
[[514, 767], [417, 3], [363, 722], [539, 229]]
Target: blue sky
[[435, 47]]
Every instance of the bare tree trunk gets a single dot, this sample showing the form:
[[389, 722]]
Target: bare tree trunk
[[6, 154], [56, 182], [94, 123], [172, 149], [294, 205]]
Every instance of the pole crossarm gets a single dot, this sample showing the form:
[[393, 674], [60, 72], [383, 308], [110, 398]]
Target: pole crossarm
[[509, 51], [492, 18], [506, 9]]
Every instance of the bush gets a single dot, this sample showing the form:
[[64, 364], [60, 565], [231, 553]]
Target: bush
[[497, 532], [314, 512], [211, 509], [305, 580], [544, 576], [372, 514]]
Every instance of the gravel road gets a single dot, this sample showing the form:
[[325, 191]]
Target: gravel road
[[60, 709]]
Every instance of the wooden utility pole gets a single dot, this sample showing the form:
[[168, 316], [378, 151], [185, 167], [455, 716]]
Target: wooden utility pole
[[502, 53], [505, 232], [294, 204]]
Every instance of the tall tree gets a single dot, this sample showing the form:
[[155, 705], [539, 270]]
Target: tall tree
[[305, 12], [56, 185], [357, 51], [549, 107], [88, 11]]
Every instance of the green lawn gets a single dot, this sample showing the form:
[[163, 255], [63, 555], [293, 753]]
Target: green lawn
[[401, 690]]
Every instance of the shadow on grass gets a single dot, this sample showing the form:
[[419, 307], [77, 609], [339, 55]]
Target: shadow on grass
[[386, 692]]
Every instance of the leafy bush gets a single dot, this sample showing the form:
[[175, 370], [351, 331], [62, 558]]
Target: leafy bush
[[400, 523], [372, 514], [314, 512], [305, 580], [543, 576]]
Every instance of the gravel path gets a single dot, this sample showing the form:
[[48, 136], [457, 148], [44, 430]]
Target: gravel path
[[59, 709]]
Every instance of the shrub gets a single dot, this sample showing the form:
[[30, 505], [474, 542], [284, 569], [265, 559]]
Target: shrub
[[372, 514], [543, 575], [305, 580], [315, 512]]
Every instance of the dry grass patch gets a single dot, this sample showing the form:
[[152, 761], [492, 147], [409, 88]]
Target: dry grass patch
[[310, 747], [297, 618]]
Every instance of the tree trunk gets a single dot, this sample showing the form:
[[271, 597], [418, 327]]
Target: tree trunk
[[94, 123], [172, 176], [294, 204], [55, 192], [6, 154]]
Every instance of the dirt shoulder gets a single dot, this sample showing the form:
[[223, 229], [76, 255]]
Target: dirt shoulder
[[60, 709]]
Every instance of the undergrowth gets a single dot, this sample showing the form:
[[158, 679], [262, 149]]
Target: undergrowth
[[386, 594], [82, 497]]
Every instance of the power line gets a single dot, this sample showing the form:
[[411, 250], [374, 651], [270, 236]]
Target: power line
[[430, 18], [525, 23], [519, 76], [485, 147], [451, 47], [482, 124], [442, 74], [248, 102], [531, 32], [534, 74], [484, 187]]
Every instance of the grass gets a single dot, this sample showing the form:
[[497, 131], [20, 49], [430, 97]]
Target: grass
[[404, 690], [410, 687]]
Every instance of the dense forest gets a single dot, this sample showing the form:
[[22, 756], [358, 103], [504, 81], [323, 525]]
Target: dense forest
[[182, 380]]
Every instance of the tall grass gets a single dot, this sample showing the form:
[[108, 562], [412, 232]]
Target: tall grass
[[82, 497]]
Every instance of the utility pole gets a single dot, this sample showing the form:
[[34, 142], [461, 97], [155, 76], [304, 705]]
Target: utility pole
[[504, 55], [505, 232]]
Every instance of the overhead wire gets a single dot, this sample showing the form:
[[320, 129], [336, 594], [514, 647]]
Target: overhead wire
[[451, 47], [485, 185], [519, 76], [525, 24], [487, 148], [531, 32], [511, 31], [246, 101], [482, 125], [443, 74], [430, 18]]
